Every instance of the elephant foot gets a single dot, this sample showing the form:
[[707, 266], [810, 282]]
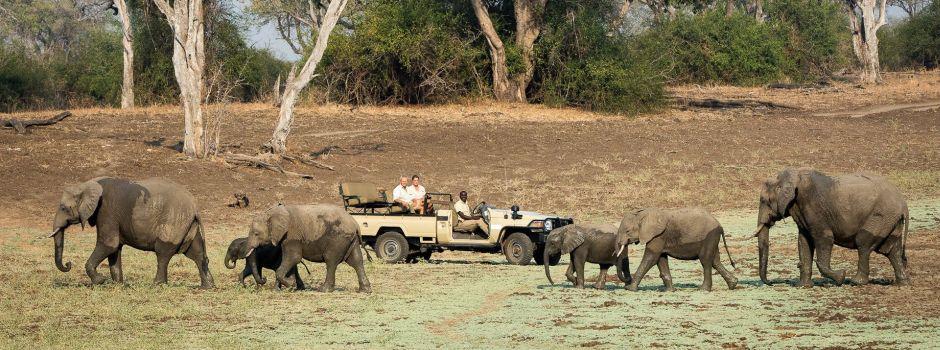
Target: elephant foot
[[97, 279], [860, 280], [839, 277], [572, 279], [365, 289], [805, 284], [632, 287], [325, 288], [732, 284], [206, 285], [670, 289], [579, 286], [902, 281], [599, 286], [705, 288]]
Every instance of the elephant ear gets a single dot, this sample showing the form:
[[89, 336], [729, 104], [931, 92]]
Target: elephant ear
[[572, 240], [278, 220], [90, 197], [785, 191], [652, 225]]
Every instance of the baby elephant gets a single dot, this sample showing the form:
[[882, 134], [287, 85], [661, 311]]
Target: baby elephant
[[269, 257], [685, 234], [587, 243]]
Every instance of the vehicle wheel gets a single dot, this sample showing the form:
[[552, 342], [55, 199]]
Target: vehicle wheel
[[518, 249], [392, 247], [552, 261]]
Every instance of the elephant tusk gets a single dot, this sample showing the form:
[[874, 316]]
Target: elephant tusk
[[621, 250], [757, 231], [52, 234], [252, 250]]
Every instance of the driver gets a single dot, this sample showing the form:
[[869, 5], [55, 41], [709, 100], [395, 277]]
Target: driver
[[466, 221]]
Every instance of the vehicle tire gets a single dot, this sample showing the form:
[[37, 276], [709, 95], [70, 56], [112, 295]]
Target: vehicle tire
[[552, 261], [518, 249], [392, 247]]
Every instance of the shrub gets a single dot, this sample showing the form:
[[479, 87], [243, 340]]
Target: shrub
[[912, 43], [815, 35], [19, 86]]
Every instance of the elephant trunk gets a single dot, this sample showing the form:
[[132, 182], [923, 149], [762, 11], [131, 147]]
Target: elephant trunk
[[548, 274], [623, 268], [59, 237], [252, 261], [763, 248], [230, 260]]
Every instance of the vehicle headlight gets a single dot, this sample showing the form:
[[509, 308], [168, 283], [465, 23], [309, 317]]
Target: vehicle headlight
[[548, 225]]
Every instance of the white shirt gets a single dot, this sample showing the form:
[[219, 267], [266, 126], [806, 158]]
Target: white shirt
[[400, 193], [417, 193], [462, 207]]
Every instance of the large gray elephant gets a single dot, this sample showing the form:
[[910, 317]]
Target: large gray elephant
[[154, 215], [318, 233], [684, 234], [859, 211], [586, 243]]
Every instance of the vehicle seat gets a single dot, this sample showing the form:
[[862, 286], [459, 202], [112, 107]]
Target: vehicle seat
[[364, 196]]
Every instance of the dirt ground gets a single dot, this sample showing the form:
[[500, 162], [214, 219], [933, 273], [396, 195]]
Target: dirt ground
[[590, 166]]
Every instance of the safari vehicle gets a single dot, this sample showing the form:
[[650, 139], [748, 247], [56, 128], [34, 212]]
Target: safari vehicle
[[398, 236]]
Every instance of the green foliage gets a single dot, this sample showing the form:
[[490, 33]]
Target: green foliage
[[912, 43], [712, 48], [815, 33], [409, 51], [580, 62], [93, 71], [18, 85]]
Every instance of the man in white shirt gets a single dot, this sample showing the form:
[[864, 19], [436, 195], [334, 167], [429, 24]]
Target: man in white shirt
[[417, 193], [400, 195], [466, 221]]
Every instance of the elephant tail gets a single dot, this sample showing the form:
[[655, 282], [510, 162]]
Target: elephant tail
[[194, 232], [723, 239], [305, 266], [907, 222], [363, 245]]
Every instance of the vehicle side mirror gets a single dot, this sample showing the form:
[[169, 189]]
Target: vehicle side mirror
[[515, 212]]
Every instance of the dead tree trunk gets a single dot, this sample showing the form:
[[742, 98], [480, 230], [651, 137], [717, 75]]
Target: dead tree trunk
[[528, 15], [295, 84], [729, 8], [127, 40], [186, 19], [865, 36]]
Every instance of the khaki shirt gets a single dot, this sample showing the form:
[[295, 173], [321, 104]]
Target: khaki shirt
[[462, 207]]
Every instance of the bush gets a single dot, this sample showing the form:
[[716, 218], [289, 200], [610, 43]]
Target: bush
[[409, 51], [912, 43], [19, 86], [815, 35], [581, 62]]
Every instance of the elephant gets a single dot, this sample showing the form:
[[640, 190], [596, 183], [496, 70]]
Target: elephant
[[684, 234], [318, 233], [860, 211], [267, 255], [586, 243], [154, 215]]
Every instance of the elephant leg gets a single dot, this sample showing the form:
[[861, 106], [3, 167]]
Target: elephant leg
[[197, 253], [291, 255], [579, 260], [601, 277], [114, 264], [329, 282], [864, 253], [102, 251], [707, 272], [649, 258], [824, 258], [165, 252], [300, 283], [355, 260], [569, 274], [664, 273], [896, 257], [806, 251], [729, 278], [245, 273]]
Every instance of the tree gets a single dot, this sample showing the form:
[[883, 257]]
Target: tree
[[910, 7], [865, 35], [321, 20], [187, 21], [528, 15], [127, 41]]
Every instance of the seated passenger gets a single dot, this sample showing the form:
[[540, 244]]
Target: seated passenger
[[466, 221], [400, 195], [417, 193]]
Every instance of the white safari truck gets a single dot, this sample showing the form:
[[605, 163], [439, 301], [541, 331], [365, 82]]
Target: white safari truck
[[397, 236]]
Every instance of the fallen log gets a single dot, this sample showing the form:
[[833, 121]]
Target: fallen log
[[263, 161], [711, 103], [20, 126]]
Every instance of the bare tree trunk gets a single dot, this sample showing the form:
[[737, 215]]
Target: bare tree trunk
[[621, 15], [278, 143], [528, 15], [864, 36], [759, 10], [127, 40], [186, 19], [729, 8]]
